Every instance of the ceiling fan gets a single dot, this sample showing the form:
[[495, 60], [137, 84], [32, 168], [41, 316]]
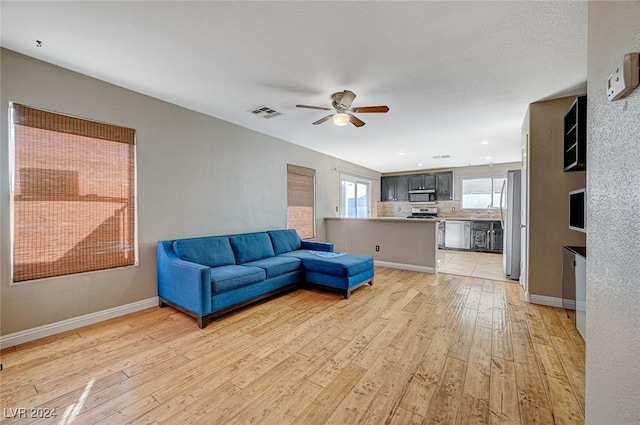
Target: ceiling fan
[[342, 110]]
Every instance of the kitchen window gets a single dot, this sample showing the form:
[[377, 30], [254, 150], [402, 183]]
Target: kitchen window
[[355, 196], [482, 193], [301, 200], [73, 195]]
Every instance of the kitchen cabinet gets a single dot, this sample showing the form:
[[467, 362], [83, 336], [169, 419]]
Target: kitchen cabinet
[[581, 295], [394, 188], [441, 235], [444, 186], [486, 236], [387, 189], [402, 188], [422, 181], [575, 136], [574, 284]]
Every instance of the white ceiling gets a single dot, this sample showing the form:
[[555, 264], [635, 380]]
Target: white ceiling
[[454, 74]]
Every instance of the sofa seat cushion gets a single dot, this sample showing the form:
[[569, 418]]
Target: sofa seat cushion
[[211, 251], [285, 240], [333, 263], [251, 247], [276, 266], [226, 278]]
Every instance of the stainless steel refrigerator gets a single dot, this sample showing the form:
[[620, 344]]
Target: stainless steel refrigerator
[[510, 217]]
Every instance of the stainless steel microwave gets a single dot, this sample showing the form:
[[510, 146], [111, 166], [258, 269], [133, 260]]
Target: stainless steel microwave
[[422, 196]]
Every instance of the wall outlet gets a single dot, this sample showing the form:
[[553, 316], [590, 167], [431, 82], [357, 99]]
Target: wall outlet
[[625, 78], [377, 248]]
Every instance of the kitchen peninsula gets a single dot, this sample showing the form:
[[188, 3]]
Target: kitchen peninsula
[[402, 243]]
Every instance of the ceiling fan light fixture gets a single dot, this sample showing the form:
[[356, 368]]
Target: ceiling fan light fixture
[[341, 119]]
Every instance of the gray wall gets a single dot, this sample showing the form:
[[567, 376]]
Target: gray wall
[[197, 175], [613, 211]]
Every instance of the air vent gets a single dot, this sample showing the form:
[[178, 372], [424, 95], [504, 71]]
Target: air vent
[[265, 112], [441, 156]]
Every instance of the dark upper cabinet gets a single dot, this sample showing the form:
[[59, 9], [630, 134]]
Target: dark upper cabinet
[[575, 136], [387, 188], [429, 181], [422, 181], [402, 188], [486, 236], [444, 186], [415, 181], [394, 188]]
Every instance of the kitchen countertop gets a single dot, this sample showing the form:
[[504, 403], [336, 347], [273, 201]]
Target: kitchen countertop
[[439, 218], [421, 220], [580, 250], [471, 218]]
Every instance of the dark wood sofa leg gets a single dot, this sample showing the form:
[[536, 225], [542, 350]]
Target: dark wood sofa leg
[[347, 294], [162, 303], [203, 322]]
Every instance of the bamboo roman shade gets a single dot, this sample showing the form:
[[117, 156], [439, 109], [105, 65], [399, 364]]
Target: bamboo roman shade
[[73, 195], [301, 200]]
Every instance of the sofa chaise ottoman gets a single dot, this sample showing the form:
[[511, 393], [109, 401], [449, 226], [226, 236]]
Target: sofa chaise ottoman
[[338, 270], [209, 276]]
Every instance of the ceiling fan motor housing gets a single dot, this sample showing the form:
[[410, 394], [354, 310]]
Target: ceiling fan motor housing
[[342, 100]]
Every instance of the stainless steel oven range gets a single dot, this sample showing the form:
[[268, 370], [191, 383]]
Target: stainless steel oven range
[[428, 213]]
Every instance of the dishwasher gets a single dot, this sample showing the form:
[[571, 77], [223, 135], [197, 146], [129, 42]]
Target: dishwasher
[[457, 234]]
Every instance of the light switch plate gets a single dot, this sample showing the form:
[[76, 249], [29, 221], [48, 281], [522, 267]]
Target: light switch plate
[[625, 77]]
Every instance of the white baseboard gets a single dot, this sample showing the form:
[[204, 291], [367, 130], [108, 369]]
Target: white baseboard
[[544, 300], [410, 267], [74, 323]]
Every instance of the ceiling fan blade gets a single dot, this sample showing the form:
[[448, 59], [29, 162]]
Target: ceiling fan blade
[[356, 121], [321, 120], [381, 108], [347, 98], [321, 108]]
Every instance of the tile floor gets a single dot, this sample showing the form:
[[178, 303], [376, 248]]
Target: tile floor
[[477, 264]]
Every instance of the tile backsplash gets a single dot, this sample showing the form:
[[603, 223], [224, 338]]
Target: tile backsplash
[[446, 209], [393, 209]]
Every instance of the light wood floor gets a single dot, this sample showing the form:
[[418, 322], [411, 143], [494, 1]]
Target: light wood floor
[[414, 348]]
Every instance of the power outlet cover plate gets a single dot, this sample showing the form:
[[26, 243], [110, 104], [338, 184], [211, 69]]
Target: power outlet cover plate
[[624, 78]]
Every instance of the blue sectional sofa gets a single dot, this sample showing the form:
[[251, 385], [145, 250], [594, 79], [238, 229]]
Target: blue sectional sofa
[[209, 276]]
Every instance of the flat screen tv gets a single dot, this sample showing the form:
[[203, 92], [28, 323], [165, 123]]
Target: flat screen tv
[[578, 210]]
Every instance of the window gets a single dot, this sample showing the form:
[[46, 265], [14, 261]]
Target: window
[[355, 196], [301, 200], [482, 193], [73, 193]]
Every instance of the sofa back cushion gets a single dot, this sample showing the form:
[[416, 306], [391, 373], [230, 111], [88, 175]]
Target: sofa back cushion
[[285, 240], [251, 247], [211, 251]]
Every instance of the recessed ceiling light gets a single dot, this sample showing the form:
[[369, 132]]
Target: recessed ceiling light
[[488, 158], [420, 164], [484, 142], [401, 153], [441, 156]]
